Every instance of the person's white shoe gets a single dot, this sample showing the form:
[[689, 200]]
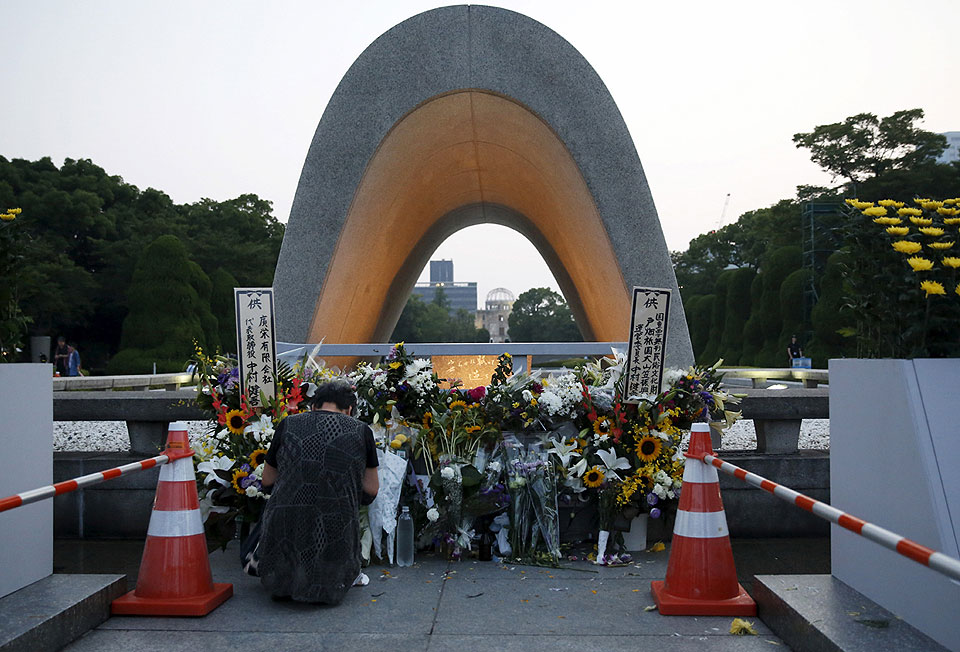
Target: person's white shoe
[[362, 580]]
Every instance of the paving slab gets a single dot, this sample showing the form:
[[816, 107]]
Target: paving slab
[[441, 605], [820, 613], [53, 611]]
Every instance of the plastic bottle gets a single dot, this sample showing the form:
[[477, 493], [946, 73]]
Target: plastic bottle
[[405, 538]]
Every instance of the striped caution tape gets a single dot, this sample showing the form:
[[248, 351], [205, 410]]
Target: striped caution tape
[[891, 540], [66, 486]]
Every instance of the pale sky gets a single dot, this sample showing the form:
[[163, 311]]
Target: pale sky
[[215, 99]]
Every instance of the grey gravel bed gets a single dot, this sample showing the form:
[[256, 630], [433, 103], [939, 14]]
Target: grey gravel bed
[[112, 435]]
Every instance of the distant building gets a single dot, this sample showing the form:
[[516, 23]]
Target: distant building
[[459, 295], [495, 316], [952, 152]]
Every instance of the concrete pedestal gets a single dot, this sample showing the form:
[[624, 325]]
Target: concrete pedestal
[[26, 462], [895, 462]]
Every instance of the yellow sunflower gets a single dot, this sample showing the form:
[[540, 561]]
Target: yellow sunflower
[[256, 457], [238, 475], [649, 448], [236, 421], [593, 478], [462, 404], [602, 426]]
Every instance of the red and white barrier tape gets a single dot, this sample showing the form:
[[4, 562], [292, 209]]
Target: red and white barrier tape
[[66, 486], [911, 549]]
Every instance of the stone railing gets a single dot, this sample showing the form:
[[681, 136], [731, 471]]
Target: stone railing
[[168, 382], [809, 377], [777, 414]]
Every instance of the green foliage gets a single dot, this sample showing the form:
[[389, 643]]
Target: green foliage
[[87, 230], [698, 319], [753, 328], [777, 265], [222, 307], [542, 315], [830, 317], [166, 312], [13, 322], [863, 146], [736, 313], [718, 316], [791, 310], [432, 322]]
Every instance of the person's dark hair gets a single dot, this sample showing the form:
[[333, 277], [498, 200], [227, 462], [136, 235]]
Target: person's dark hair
[[339, 392]]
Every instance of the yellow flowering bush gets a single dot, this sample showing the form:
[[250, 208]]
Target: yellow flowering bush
[[893, 319]]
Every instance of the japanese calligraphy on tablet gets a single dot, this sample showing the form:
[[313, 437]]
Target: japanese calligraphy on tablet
[[647, 342], [256, 344]]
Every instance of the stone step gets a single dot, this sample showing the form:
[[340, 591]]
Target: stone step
[[52, 612], [819, 613]]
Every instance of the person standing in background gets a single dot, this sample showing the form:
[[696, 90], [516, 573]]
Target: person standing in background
[[60, 355], [794, 350], [73, 360]]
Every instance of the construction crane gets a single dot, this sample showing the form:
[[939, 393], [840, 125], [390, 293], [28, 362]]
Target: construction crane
[[723, 213]]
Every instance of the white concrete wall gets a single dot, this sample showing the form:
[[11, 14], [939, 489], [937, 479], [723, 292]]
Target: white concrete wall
[[26, 462], [895, 462]]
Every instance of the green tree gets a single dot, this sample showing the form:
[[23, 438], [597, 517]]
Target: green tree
[[777, 265], [791, 310], [830, 317], [432, 322], [166, 314], [718, 318], [753, 329], [222, 307], [736, 314], [698, 310], [542, 315], [864, 146]]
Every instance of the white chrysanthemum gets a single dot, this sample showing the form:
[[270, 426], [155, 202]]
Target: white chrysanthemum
[[671, 376], [433, 514], [416, 367], [551, 403], [447, 473]]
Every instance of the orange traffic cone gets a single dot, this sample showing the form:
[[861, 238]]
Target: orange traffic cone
[[701, 576], [175, 578]]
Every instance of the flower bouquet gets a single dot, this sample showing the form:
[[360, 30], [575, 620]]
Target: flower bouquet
[[534, 519]]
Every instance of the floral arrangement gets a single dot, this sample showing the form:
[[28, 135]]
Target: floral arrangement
[[513, 448], [402, 385], [903, 284], [629, 454]]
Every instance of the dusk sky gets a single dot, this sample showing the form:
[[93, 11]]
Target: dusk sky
[[217, 99]]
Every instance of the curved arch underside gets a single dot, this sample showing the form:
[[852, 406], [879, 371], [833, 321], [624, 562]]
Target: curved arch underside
[[466, 149], [459, 116]]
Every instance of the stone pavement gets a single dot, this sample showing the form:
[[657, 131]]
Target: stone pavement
[[440, 605]]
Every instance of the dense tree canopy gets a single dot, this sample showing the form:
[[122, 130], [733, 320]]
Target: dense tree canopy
[[432, 321], [87, 229], [865, 146], [542, 315]]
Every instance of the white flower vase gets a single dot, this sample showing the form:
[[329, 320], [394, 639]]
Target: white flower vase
[[636, 539]]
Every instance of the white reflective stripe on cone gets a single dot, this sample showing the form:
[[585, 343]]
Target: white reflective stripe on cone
[[178, 470], [701, 525], [183, 523], [697, 471]]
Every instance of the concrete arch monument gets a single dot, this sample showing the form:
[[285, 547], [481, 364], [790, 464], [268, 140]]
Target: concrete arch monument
[[459, 116]]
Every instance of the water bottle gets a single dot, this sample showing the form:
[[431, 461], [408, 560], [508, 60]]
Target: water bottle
[[405, 538]]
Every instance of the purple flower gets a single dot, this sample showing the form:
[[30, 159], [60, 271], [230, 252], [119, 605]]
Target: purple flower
[[652, 499], [245, 467], [655, 512]]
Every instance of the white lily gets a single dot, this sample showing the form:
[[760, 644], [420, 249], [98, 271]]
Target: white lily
[[214, 464], [207, 507], [575, 484], [261, 428], [611, 461], [579, 468], [563, 451]]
